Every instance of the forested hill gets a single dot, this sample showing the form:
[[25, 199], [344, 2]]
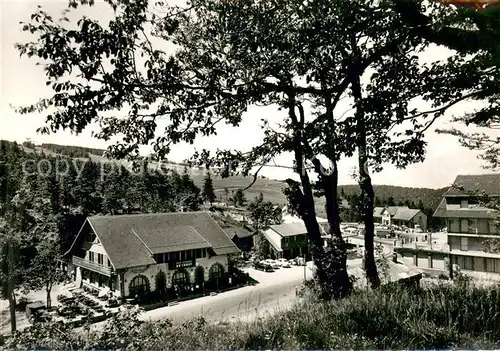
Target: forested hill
[[272, 189], [65, 150], [396, 195]]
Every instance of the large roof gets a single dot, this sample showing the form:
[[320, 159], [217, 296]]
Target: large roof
[[445, 210], [239, 231], [396, 272], [394, 209], [131, 240], [377, 212], [289, 229], [488, 183], [403, 213]]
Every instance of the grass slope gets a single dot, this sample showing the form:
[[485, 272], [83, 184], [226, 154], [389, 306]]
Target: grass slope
[[389, 318]]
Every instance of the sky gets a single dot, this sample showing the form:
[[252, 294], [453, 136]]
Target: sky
[[23, 82]]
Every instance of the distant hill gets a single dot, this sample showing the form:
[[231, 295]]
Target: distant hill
[[429, 197], [270, 188]]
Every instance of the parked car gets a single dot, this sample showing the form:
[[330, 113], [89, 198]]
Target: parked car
[[258, 265], [268, 268], [272, 263], [275, 264], [263, 266], [284, 263]]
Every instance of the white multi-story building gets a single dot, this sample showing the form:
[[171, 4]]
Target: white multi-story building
[[472, 227]]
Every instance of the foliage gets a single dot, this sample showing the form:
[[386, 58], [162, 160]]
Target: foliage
[[239, 198], [44, 272], [262, 213], [41, 211], [231, 55], [438, 317], [208, 189], [382, 263]]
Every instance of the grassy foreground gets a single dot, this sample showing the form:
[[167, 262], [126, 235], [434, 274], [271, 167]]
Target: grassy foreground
[[440, 317]]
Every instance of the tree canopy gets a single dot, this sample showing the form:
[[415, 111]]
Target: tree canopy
[[302, 57]]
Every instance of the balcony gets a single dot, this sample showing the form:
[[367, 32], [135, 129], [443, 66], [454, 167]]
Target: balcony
[[92, 266]]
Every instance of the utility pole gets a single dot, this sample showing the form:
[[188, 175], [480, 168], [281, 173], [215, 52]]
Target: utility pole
[[305, 266]]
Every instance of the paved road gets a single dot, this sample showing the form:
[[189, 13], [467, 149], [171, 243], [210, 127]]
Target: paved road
[[274, 291]]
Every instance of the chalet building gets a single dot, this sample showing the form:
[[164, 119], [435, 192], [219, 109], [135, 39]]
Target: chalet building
[[471, 225], [131, 255], [288, 240], [399, 216]]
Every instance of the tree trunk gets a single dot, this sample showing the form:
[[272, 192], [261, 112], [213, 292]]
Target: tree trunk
[[341, 283], [337, 246], [367, 196], [330, 263], [12, 308], [365, 182], [49, 300]]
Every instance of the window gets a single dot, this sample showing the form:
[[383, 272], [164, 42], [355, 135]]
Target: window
[[494, 228], [464, 244], [216, 271], [180, 277], [473, 226], [189, 255], [100, 258], [464, 225], [468, 263], [109, 262], [198, 253], [159, 258], [492, 265], [138, 286], [183, 255], [91, 256]]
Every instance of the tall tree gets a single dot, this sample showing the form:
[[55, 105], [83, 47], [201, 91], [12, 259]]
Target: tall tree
[[264, 213], [301, 57], [19, 235], [45, 272], [208, 189], [239, 198]]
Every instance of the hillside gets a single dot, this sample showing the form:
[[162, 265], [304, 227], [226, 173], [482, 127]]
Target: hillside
[[429, 197], [270, 188]]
